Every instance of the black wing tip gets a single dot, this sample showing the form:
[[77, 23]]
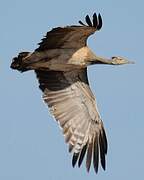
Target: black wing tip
[[103, 163], [82, 155], [74, 159], [103, 148], [96, 151], [88, 21], [80, 22], [99, 26], [105, 142], [79, 156], [96, 154], [96, 23], [89, 156], [100, 150]]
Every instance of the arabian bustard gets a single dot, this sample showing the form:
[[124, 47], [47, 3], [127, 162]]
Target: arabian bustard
[[60, 63]]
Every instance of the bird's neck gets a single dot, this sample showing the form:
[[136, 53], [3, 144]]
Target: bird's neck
[[94, 59], [101, 60]]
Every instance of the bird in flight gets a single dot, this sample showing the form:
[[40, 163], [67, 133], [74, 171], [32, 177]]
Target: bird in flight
[[60, 63]]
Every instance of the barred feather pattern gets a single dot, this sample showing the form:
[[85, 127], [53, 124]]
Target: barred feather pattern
[[72, 103]]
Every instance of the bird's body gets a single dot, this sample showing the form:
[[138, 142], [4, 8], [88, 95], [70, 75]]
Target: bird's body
[[60, 63], [59, 59]]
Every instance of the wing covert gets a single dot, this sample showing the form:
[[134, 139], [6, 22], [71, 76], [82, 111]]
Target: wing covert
[[70, 36]]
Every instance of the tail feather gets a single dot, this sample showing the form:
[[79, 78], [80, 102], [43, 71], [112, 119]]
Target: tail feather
[[17, 62]]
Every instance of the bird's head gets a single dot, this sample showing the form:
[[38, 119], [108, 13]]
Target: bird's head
[[117, 60]]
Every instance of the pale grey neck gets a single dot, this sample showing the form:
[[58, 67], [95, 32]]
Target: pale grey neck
[[101, 60]]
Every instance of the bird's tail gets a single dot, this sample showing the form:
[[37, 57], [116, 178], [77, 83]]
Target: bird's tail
[[18, 62]]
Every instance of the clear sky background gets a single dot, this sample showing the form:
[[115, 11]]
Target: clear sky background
[[31, 143]]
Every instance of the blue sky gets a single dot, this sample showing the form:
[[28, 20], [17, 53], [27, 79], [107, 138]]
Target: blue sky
[[32, 145]]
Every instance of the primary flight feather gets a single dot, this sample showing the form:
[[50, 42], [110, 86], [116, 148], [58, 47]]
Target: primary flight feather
[[60, 63]]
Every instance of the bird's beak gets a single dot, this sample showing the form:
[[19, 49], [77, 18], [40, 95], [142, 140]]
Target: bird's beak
[[127, 61], [130, 62]]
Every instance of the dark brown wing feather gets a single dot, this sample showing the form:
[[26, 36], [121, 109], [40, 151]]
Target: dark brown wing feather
[[70, 36], [66, 37], [72, 103]]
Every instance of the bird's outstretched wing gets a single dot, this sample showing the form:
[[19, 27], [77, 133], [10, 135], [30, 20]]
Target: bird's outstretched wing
[[71, 101], [70, 36]]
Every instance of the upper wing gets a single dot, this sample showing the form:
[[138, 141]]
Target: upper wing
[[72, 103], [70, 36]]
